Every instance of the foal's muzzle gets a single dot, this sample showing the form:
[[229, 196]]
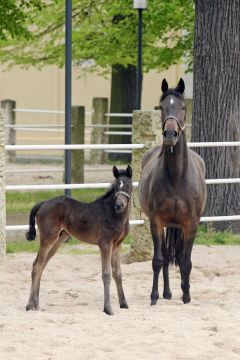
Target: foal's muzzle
[[122, 199]]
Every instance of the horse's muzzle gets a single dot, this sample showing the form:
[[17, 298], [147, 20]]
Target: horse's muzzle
[[170, 137]]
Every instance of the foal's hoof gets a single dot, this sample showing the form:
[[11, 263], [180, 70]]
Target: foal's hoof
[[124, 305], [186, 299], [167, 295], [108, 311], [32, 307]]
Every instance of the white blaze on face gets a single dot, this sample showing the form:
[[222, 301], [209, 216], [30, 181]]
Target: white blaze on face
[[121, 184], [172, 101]]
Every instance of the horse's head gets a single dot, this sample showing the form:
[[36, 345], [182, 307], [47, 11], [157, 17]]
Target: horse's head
[[173, 108], [122, 188]]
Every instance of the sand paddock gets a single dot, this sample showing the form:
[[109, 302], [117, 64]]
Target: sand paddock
[[71, 324]]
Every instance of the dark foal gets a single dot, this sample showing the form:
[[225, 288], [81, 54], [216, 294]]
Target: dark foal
[[172, 194], [104, 222]]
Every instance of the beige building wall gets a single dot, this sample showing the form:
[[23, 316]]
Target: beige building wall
[[44, 89]]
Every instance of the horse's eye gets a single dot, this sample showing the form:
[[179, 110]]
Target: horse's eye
[[184, 108]]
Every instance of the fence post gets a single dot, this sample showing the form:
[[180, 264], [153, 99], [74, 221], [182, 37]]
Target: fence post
[[78, 128], [2, 192], [10, 134], [100, 108], [146, 129]]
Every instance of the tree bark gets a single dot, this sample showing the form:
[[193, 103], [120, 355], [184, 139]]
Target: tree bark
[[123, 100], [216, 101]]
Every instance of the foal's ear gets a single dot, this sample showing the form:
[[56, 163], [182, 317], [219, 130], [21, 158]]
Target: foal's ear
[[164, 85], [129, 171], [180, 86], [115, 171]]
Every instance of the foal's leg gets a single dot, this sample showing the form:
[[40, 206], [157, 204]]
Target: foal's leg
[[157, 261], [50, 254], [185, 264], [46, 251], [106, 254], [117, 275], [38, 266]]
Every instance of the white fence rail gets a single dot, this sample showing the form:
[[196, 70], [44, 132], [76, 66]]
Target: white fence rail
[[97, 185], [110, 146]]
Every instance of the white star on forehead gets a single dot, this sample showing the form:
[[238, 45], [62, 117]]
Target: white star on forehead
[[121, 184], [172, 101]]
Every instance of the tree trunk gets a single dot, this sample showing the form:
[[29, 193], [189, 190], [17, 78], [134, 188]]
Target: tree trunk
[[123, 100], [216, 101]]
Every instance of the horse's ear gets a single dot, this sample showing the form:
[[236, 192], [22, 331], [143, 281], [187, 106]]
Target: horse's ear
[[129, 171], [164, 85], [115, 171], [181, 86]]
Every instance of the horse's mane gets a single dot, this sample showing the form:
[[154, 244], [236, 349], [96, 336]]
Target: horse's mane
[[106, 195], [111, 189], [172, 92]]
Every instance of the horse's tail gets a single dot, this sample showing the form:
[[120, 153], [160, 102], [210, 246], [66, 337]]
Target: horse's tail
[[173, 244], [31, 233]]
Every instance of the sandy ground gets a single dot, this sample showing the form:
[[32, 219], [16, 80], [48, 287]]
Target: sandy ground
[[71, 324], [93, 173]]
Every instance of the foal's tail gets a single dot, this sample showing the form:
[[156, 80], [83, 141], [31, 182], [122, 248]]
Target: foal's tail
[[31, 234], [173, 244]]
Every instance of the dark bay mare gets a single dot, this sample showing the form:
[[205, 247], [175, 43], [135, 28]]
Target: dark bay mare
[[104, 222], [172, 193]]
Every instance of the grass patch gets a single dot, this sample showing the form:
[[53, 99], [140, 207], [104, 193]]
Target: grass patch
[[73, 246], [22, 202], [22, 246], [206, 236]]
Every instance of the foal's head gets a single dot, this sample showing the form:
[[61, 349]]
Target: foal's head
[[122, 188], [173, 108]]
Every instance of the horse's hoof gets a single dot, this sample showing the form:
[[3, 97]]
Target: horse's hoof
[[154, 302], [167, 295], [108, 311], [32, 307], [29, 307], [186, 299], [124, 306], [154, 298]]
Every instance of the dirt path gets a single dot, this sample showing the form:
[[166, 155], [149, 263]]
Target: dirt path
[[71, 324]]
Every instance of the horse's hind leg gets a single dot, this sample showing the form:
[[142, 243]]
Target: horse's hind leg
[[38, 266], [106, 254], [157, 261], [62, 237], [117, 275], [44, 255], [167, 294], [185, 265]]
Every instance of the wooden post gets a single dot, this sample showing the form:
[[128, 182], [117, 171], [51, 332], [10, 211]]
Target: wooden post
[[9, 118], [146, 129], [100, 108], [78, 128], [2, 192]]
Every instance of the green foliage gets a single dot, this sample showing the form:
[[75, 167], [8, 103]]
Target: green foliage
[[13, 18], [106, 32]]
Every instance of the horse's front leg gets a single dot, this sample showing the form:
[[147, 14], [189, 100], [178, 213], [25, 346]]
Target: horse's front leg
[[106, 254], [117, 275], [157, 261], [185, 264]]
